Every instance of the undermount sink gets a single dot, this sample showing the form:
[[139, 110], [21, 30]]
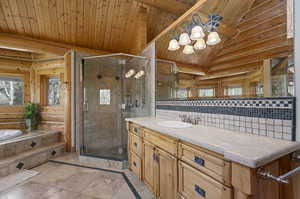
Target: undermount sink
[[175, 124]]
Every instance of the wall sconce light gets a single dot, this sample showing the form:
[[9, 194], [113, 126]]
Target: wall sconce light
[[130, 73]]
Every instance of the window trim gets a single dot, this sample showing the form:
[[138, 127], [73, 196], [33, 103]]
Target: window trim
[[233, 86], [206, 88], [44, 89], [24, 76]]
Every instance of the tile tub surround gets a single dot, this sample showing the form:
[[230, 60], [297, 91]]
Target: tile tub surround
[[250, 151], [29, 150], [271, 117]]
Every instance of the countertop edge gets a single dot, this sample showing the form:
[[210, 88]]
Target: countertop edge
[[230, 156]]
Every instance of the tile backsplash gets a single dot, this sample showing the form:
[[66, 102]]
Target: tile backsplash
[[272, 117]]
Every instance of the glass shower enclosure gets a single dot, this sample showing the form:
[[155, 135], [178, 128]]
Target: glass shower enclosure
[[113, 87]]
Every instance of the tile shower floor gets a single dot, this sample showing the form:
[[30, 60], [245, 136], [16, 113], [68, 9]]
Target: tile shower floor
[[61, 181]]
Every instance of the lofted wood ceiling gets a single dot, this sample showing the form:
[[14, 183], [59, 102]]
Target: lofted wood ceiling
[[261, 33], [99, 24], [231, 11]]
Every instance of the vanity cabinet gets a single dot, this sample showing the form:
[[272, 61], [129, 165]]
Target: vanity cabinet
[[174, 168], [160, 166], [194, 184]]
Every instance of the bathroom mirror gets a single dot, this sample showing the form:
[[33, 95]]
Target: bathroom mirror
[[248, 62], [275, 78]]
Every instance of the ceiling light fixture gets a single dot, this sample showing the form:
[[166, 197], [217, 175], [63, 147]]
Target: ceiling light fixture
[[184, 39], [200, 44], [173, 45], [139, 74], [188, 49], [193, 34], [130, 73], [213, 38]]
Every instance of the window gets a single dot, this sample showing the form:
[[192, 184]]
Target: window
[[53, 90], [11, 90], [259, 90], [104, 96], [182, 93], [233, 91], [206, 92]]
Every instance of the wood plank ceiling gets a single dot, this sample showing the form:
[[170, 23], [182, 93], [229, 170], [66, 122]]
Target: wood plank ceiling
[[231, 11], [261, 34], [99, 24]]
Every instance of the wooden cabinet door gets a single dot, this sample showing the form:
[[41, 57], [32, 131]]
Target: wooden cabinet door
[[167, 166], [149, 166]]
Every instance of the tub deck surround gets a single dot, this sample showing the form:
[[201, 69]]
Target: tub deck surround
[[248, 150], [29, 150]]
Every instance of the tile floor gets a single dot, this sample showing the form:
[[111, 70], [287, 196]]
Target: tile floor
[[61, 181]]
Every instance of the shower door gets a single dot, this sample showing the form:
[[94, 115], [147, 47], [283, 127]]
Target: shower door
[[103, 134], [108, 96]]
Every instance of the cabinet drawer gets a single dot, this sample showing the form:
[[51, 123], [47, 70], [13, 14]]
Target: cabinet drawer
[[136, 129], [136, 165], [193, 184], [136, 144], [213, 166], [163, 142]]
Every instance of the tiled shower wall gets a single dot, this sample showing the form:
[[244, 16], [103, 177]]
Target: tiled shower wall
[[272, 117]]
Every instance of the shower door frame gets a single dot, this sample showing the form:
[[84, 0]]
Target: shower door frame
[[78, 101]]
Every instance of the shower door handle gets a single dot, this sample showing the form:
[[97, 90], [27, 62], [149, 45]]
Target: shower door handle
[[85, 102], [85, 107]]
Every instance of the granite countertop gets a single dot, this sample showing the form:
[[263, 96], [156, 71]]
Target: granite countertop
[[249, 150]]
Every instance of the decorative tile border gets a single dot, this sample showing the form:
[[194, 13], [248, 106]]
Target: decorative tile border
[[272, 117]]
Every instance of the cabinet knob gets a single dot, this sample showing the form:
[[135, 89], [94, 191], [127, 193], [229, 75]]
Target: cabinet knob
[[199, 191], [134, 164], [199, 161], [32, 144], [135, 130], [135, 144]]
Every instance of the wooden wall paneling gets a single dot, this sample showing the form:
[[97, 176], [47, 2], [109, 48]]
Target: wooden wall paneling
[[290, 18], [67, 103], [267, 68]]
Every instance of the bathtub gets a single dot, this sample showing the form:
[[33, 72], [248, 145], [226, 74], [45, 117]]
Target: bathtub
[[6, 134]]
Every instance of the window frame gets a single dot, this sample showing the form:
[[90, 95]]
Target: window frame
[[25, 78], [44, 80], [207, 88], [233, 86]]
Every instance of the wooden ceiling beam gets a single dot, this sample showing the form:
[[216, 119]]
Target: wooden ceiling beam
[[15, 53], [224, 29], [190, 68], [42, 46], [171, 6]]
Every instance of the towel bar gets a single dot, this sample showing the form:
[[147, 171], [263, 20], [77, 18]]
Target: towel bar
[[283, 178]]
